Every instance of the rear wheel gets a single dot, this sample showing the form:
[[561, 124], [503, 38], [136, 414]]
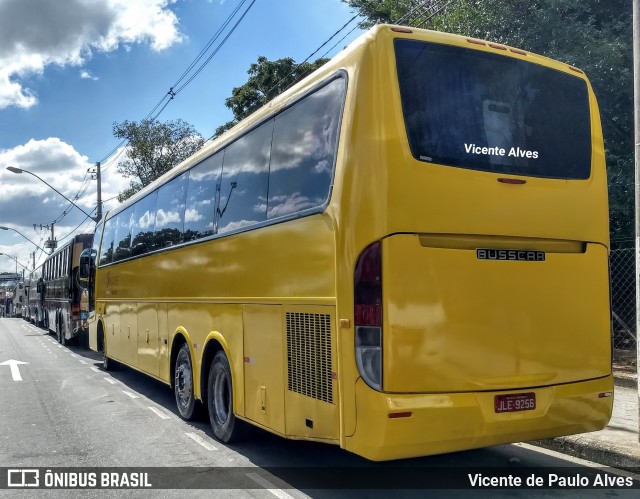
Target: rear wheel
[[226, 427], [183, 384], [107, 363], [58, 331]]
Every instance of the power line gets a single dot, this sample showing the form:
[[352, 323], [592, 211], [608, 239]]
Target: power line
[[209, 44], [83, 189], [178, 86], [426, 6], [284, 78]]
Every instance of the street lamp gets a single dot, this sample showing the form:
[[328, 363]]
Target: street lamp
[[17, 262], [14, 230], [13, 169]]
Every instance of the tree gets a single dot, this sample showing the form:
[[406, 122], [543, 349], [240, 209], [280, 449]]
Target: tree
[[394, 11], [594, 35], [267, 79], [154, 148]]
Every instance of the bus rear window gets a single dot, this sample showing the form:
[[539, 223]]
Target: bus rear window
[[483, 111]]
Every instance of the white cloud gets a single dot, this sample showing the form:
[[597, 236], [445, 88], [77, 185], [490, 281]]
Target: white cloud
[[236, 225], [26, 201], [164, 218], [285, 205], [37, 33], [87, 75], [192, 215]]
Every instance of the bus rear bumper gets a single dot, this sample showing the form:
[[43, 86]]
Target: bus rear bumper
[[440, 423]]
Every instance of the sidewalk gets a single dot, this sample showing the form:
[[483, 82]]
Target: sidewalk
[[617, 445]]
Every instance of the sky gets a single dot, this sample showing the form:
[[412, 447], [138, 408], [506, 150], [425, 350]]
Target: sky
[[70, 69]]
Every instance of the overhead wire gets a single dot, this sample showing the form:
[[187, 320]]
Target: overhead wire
[[179, 85], [284, 78], [419, 8]]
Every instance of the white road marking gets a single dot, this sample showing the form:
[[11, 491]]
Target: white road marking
[[94, 368], [201, 441], [110, 381], [82, 362], [159, 413], [269, 486], [132, 395], [15, 370], [74, 355]]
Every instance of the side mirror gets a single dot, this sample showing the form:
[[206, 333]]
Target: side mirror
[[87, 263]]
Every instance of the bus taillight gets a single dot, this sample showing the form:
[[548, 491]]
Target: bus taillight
[[368, 315]]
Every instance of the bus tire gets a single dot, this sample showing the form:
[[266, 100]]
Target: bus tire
[[226, 427], [183, 384], [107, 363], [62, 329]]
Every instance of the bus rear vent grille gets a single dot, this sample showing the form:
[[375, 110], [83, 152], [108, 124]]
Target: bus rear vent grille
[[309, 355]]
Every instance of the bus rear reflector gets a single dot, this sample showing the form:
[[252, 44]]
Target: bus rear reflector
[[402, 30], [511, 180], [394, 415], [517, 51], [368, 315]]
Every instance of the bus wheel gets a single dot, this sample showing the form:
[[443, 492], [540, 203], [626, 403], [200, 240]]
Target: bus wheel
[[107, 363], [183, 384], [226, 427]]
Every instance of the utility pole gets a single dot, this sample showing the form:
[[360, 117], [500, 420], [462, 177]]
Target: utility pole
[[636, 136], [96, 175], [33, 256], [51, 244]]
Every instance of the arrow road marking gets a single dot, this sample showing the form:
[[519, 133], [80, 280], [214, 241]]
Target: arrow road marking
[[15, 370]]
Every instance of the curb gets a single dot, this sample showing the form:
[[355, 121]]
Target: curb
[[591, 451], [613, 447], [627, 382]]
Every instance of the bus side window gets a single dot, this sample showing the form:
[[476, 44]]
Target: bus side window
[[169, 228], [106, 248], [201, 196], [144, 220], [122, 239], [245, 180], [305, 141]]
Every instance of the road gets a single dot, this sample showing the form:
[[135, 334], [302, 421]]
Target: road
[[67, 412]]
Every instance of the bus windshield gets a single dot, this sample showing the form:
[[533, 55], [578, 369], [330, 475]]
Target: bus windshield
[[472, 109]]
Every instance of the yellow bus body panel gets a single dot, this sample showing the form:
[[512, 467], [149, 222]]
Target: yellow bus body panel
[[454, 323], [448, 422]]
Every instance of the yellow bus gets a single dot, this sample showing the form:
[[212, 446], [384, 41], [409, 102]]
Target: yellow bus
[[404, 254]]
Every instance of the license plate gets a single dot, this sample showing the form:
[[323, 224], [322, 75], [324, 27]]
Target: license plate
[[515, 402]]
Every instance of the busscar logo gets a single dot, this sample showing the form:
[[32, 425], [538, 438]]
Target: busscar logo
[[20, 478], [510, 255]]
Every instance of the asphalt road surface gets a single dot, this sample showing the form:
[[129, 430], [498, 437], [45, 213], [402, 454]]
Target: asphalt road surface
[[60, 409]]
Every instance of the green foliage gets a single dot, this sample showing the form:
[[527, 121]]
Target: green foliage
[[386, 11], [594, 35], [267, 79], [154, 148]]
